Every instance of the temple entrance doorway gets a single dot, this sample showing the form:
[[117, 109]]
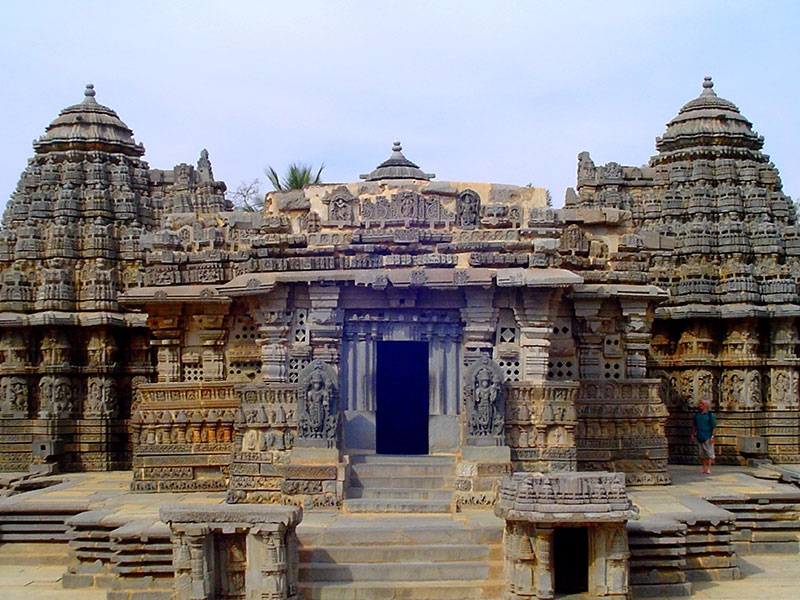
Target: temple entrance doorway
[[401, 417], [571, 560]]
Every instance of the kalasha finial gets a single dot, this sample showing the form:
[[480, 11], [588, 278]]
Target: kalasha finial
[[396, 147], [707, 83], [89, 91]]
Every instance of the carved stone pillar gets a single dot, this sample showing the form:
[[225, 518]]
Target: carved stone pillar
[[608, 561], [520, 560], [325, 323], [480, 322], [589, 336], [274, 333], [167, 333], [543, 548], [212, 336], [535, 317], [636, 339]]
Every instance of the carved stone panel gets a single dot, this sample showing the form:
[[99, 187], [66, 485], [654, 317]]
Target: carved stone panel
[[484, 395], [318, 407]]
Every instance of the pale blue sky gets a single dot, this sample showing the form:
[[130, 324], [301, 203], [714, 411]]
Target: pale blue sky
[[500, 91]]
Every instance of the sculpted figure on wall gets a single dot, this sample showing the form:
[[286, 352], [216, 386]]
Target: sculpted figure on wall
[[101, 398], [484, 394], [318, 406], [468, 208], [55, 398], [14, 397]]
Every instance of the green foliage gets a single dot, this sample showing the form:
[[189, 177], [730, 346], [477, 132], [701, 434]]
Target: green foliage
[[298, 176]]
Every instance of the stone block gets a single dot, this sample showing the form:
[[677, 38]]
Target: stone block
[[314, 456], [444, 433], [359, 430], [294, 471], [751, 444], [486, 453], [73, 580]]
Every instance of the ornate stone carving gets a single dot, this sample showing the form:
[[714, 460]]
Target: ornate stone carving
[[484, 395], [468, 209], [13, 398], [318, 407]]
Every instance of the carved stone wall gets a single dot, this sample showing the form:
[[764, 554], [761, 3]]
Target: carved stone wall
[[711, 224]]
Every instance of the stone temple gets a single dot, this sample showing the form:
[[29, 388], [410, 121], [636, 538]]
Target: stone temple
[[333, 350]]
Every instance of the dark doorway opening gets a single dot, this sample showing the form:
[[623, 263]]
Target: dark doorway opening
[[571, 560], [401, 420]]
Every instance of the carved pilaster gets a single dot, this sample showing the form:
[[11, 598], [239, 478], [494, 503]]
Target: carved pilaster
[[274, 333], [543, 571], [589, 336], [480, 322], [535, 318], [637, 334], [167, 330], [325, 323], [212, 336]]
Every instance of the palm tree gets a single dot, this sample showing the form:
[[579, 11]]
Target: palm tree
[[298, 176]]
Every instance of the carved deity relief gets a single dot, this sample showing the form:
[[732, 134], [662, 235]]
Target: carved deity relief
[[14, 348], [101, 348], [14, 397], [318, 406], [484, 394], [468, 207], [56, 399], [101, 398], [56, 349]]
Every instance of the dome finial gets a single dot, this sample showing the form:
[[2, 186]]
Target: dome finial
[[396, 146], [89, 91], [708, 85]]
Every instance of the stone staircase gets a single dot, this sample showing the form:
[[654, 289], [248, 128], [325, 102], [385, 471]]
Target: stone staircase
[[401, 484], [412, 557]]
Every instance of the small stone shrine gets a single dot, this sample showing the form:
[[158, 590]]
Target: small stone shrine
[[222, 551], [146, 325], [565, 533]]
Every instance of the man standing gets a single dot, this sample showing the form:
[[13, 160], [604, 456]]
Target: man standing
[[703, 427]]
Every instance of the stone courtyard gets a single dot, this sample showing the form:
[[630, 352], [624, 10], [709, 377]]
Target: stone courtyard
[[398, 387], [436, 556]]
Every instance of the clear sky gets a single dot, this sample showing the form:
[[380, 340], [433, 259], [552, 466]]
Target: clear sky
[[500, 91]]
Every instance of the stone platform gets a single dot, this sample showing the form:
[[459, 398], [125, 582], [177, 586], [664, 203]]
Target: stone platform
[[694, 537]]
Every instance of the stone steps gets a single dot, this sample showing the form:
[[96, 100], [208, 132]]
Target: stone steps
[[401, 484], [405, 459], [401, 553], [412, 590], [765, 523], [401, 469], [427, 482], [401, 557], [400, 493], [400, 571], [33, 554], [393, 531], [388, 505]]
